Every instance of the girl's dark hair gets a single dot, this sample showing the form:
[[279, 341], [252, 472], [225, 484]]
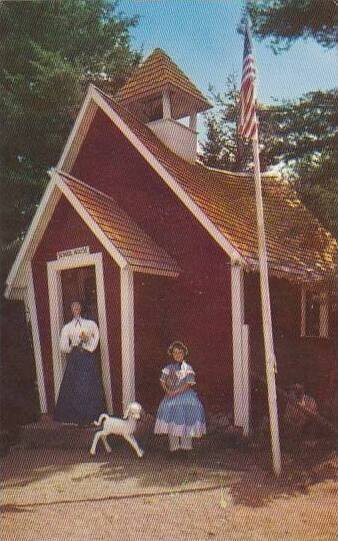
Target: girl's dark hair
[[178, 345]]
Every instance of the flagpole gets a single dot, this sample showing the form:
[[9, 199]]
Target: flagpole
[[249, 130], [270, 360]]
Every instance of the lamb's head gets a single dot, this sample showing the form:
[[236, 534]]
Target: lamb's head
[[134, 410]]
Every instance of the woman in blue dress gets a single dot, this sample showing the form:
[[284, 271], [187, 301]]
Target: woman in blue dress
[[180, 413], [81, 398]]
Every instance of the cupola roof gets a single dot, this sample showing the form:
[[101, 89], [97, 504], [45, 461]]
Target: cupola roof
[[159, 73]]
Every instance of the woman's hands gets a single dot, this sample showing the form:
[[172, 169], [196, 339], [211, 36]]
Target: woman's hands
[[84, 338], [177, 391], [167, 391]]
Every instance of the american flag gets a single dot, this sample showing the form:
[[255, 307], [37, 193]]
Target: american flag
[[248, 119]]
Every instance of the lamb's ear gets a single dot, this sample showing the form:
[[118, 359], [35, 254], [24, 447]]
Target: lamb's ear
[[126, 413]]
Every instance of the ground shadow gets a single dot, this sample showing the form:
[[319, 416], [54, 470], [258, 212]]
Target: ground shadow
[[245, 471]]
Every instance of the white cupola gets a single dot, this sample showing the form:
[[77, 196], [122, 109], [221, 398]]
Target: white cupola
[[160, 94]]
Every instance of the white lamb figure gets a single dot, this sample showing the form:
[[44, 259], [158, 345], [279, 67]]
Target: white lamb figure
[[120, 427]]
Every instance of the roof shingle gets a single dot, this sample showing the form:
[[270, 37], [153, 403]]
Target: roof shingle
[[139, 250], [157, 72]]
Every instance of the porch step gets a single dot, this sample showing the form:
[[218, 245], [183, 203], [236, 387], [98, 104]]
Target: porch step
[[48, 434], [52, 434]]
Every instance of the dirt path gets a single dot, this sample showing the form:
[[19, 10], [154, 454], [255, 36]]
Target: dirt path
[[250, 504]]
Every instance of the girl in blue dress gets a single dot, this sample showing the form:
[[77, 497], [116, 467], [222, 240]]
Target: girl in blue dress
[[180, 413]]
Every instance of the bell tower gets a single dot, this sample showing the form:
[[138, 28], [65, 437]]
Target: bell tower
[[161, 95]]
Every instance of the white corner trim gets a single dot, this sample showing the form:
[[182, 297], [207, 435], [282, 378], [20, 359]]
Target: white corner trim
[[155, 164], [56, 323], [127, 337], [237, 306], [36, 341], [109, 246], [54, 269], [104, 348]]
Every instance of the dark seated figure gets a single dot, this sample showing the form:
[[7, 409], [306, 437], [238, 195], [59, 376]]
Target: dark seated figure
[[299, 414]]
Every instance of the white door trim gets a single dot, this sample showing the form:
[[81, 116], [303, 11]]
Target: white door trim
[[33, 320], [54, 269]]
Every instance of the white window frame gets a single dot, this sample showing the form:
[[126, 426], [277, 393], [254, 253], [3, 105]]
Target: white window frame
[[323, 314], [54, 269]]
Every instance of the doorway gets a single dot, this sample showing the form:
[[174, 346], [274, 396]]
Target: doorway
[[79, 284], [78, 277]]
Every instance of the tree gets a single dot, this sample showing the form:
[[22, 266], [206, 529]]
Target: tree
[[49, 52], [285, 21], [298, 136], [316, 183], [225, 148]]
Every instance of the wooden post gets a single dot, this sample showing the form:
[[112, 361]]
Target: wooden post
[[166, 104], [245, 380], [193, 121], [127, 337], [303, 311], [31, 304], [270, 360], [324, 315], [237, 302]]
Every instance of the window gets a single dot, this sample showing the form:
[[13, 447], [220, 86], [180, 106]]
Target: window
[[314, 313]]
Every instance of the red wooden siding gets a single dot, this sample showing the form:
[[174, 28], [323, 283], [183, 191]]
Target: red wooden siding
[[199, 304], [152, 333], [66, 230], [310, 361]]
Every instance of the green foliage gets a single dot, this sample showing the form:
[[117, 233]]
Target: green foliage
[[49, 52], [284, 21], [316, 183], [223, 148], [298, 136]]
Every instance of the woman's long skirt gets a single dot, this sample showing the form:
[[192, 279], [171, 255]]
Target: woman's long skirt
[[181, 415], [81, 398]]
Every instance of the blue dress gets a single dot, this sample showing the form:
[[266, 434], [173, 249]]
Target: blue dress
[[183, 414]]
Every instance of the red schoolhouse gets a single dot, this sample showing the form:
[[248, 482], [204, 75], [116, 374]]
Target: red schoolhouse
[[159, 247]]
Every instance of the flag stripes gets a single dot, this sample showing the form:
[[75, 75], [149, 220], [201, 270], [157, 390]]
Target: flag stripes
[[248, 119]]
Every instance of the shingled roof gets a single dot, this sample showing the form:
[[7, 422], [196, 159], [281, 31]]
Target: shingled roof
[[138, 249], [155, 74], [298, 246]]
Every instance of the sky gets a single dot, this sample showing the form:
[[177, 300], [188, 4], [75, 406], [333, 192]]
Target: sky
[[201, 37]]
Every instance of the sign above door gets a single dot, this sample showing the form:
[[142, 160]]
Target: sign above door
[[73, 251]]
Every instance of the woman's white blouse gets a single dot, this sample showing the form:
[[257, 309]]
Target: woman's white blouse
[[71, 335]]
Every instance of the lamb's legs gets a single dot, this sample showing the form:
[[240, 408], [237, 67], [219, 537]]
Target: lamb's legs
[[106, 444], [94, 444], [130, 439]]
